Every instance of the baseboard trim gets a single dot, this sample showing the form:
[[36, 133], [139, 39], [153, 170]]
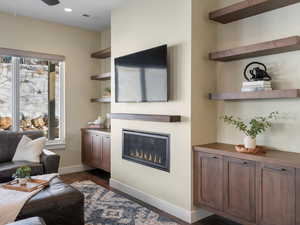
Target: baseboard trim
[[181, 213], [73, 169]]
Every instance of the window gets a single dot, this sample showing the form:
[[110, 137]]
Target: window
[[31, 96]]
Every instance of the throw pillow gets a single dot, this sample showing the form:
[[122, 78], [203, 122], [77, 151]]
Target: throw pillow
[[29, 150]]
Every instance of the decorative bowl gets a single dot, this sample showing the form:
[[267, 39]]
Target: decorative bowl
[[257, 150]]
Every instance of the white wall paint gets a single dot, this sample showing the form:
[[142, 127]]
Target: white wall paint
[[77, 45], [139, 25], [105, 67], [284, 69]]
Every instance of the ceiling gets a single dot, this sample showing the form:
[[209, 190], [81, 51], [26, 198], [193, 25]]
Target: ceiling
[[99, 10]]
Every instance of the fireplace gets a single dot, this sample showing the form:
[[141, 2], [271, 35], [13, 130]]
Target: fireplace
[[149, 149]]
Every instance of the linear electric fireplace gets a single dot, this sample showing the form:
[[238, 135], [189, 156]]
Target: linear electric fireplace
[[149, 149]]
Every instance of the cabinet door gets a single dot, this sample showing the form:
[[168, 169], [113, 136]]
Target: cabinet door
[[105, 164], [239, 188], [96, 150], [86, 148], [276, 195], [209, 180], [297, 197]]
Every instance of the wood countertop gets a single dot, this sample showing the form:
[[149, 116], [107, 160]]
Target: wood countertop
[[291, 159], [104, 130]]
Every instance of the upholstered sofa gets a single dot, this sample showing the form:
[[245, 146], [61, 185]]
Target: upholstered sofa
[[8, 143]]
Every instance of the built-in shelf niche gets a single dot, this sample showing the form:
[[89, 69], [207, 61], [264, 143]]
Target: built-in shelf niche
[[246, 9], [274, 94], [101, 100], [102, 54], [104, 76], [260, 49]]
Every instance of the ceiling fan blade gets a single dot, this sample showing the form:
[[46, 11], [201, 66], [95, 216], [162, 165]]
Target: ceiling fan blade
[[51, 2]]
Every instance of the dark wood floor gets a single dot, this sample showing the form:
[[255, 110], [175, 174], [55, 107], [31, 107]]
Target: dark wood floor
[[102, 178]]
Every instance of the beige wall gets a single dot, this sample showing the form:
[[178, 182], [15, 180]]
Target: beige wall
[[140, 25], [76, 45], [284, 69], [204, 80], [105, 67]]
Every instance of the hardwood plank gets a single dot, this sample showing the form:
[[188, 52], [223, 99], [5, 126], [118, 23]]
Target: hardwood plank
[[146, 117], [247, 8], [283, 158], [102, 54], [104, 76], [275, 94], [256, 50], [103, 100]]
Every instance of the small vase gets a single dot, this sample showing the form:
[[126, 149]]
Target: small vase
[[249, 142]]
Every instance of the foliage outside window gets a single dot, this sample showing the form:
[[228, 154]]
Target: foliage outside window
[[31, 96]]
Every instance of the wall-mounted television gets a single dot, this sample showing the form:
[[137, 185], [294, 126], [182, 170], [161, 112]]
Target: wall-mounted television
[[142, 76]]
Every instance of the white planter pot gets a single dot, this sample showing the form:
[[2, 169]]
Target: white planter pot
[[22, 181], [249, 142]]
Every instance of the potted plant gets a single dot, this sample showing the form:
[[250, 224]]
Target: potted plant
[[107, 92], [22, 174], [253, 128]]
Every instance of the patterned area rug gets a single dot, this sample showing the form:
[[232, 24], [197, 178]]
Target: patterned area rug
[[106, 207]]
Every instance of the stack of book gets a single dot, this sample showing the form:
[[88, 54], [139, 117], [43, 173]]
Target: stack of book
[[256, 86]]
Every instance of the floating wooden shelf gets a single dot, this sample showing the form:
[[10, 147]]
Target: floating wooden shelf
[[103, 100], [247, 8], [275, 94], [102, 54], [104, 76], [255, 50], [146, 117]]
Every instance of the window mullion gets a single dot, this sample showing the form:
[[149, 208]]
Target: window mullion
[[16, 93]]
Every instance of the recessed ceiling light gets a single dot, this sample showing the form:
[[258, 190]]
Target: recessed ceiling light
[[68, 10]]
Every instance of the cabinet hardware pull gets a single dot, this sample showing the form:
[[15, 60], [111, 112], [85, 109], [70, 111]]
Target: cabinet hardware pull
[[278, 169], [214, 157], [245, 163]]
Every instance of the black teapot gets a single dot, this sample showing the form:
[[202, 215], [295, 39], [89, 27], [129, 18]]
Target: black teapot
[[256, 74]]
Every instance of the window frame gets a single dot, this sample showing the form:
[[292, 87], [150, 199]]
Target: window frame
[[16, 55]]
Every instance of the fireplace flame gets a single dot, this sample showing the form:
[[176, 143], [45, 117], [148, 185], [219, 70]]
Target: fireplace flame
[[152, 157]]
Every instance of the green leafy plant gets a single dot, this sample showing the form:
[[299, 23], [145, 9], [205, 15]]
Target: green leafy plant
[[22, 172], [256, 126], [107, 89]]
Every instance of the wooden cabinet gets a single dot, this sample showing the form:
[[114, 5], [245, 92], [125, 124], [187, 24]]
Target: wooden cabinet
[[239, 188], [249, 189], [96, 148], [276, 195], [209, 176], [106, 152]]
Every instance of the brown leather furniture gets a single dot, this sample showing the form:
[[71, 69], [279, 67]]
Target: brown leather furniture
[[58, 204], [8, 144]]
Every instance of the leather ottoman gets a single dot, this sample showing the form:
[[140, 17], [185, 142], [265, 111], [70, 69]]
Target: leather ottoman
[[58, 204]]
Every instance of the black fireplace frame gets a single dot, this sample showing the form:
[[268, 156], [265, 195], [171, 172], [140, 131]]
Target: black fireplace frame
[[144, 162]]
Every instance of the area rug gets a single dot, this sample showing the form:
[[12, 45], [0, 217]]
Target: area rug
[[103, 207]]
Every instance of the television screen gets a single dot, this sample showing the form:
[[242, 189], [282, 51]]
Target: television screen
[[142, 76]]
